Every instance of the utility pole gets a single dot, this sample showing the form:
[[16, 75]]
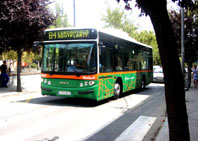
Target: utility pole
[[74, 8]]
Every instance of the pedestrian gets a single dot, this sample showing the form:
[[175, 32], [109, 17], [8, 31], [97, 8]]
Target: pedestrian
[[195, 75], [4, 75]]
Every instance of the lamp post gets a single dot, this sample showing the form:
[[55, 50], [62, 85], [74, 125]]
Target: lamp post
[[74, 8], [182, 41]]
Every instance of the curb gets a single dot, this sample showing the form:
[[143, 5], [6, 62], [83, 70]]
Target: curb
[[18, 93]]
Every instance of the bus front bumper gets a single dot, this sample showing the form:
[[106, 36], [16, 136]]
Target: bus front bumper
[[89, 92]]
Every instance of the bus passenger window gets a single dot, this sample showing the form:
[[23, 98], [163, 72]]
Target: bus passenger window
[[118, 56], [106, 60], [118, 63]]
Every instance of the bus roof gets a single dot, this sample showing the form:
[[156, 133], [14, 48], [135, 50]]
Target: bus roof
[[110, 31], [67, 28], [122, 35]]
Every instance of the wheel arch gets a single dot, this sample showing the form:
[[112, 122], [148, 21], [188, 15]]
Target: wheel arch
[[143, 79], [119, 80]]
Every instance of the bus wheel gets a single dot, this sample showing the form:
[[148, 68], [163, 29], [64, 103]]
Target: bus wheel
[[143, 83], [117, 91]]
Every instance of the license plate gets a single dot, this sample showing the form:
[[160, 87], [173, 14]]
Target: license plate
[[64, 93]]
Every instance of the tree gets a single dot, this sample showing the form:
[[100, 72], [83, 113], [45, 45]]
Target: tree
[[61, 17], [10, 55], [118, 19], [190, 36], [21, 23], [28, 58], [174, 82]]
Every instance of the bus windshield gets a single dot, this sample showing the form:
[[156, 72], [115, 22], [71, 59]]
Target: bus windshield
[[70, 58]]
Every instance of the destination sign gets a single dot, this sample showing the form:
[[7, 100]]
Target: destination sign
[[74, 34]]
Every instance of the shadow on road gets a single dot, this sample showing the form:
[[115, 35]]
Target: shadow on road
[[79, 102], [60, 101]]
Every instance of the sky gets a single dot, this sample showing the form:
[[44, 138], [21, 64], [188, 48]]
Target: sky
[[90, 12]]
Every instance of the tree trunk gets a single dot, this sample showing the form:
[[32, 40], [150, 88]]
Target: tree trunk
[[19, 53], [174, 82]]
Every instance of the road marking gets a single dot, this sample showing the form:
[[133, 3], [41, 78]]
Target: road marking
[[28, 100], [102, 117], [137, 130]]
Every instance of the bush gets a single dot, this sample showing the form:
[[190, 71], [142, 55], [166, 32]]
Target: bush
[[34, 65]]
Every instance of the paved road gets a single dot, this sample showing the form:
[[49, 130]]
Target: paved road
[[41, 118]]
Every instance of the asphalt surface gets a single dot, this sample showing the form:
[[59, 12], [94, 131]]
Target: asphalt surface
[[37, 117]]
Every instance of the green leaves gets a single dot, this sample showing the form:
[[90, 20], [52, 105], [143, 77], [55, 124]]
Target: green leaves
[[22, 22], [61, 17], [190, 33]]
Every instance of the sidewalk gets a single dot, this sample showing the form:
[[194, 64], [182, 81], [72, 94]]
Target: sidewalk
[[30, 82], [11, 91], [192, 110]]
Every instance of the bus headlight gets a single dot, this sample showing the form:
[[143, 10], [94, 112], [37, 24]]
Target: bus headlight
[[49, 83], [91, 83], [81, 84]]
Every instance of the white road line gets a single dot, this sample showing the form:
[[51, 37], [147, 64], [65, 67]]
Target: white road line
[[103, 116], [137, 130]]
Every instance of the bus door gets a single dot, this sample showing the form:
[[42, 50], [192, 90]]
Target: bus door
[[106, 77], [129, 77]]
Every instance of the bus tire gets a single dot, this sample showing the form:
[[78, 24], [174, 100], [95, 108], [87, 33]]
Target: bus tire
[[117, 90], [143, 83]]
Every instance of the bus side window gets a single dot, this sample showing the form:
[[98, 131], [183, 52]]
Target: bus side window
[[118, 58], [140, 65], [135, 65], [118, 63], [106, 60]]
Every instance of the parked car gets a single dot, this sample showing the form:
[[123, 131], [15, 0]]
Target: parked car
[[156, 67], [158, 75]]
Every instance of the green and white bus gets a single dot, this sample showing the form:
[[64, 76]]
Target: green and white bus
[[93, 64]]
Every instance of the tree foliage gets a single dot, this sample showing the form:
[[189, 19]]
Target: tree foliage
[[190, 33], [116, 18], [190, 36], [28, 58], [10, 55], [61, 17], [21, 23]]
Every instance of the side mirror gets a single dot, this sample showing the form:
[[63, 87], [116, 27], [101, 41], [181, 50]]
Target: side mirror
[[36, 47], [101, 45]]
